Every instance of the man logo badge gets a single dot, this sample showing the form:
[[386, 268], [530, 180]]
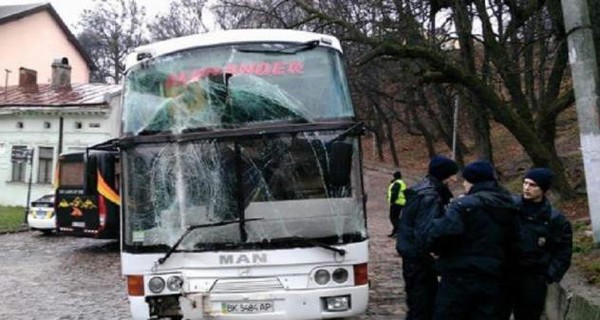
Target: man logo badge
[[255, 258]]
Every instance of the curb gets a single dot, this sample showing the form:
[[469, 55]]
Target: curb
[[562, 304], [580, 308]]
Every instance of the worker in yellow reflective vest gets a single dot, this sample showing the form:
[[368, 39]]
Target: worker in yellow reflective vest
[[396, 199]]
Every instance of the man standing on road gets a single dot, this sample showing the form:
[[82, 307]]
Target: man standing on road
[[472, 240], [423, 202], [543, 249], [396, 199]]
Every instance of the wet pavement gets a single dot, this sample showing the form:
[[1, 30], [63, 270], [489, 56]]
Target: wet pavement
[[51, 278], [64, 278]]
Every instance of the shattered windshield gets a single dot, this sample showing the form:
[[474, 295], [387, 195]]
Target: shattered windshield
[[304, 184], [235, 85]]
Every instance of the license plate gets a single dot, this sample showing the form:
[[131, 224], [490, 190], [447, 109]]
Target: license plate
[[78, 224], [247, 307]]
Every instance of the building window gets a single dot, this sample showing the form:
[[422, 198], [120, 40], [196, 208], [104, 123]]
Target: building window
[[45, 157], [19, 163], [78, 125], [47, 125], [20, 125], [94, 125]]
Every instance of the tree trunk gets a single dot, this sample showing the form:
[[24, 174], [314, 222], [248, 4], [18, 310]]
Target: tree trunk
[[378, 135], [541, 156]]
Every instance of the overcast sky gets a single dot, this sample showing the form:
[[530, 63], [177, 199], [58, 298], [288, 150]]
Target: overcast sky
[[70, 10]]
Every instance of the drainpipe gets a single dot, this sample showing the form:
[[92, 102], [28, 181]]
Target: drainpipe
[[60, 133]]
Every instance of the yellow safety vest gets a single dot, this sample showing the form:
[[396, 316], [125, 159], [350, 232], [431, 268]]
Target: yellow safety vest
[[401, 200]]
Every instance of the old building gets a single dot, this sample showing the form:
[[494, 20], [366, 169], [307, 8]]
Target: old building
[[43, 120], [32, 36]]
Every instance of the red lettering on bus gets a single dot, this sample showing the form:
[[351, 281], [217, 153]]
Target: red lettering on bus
[[296, 67], [231, 68], [278, 68], [275, 68], [196, 74], [247, 68], [262, 69], [176, 79], [214, 71]]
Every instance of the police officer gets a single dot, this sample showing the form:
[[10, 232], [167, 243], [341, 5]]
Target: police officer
[[543, 249], [423, 201], [396, 199], [471, 240]]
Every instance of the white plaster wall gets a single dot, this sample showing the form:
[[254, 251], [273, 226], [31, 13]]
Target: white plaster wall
[[34, 135]]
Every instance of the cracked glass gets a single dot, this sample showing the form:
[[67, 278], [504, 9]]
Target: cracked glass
[[302, 183]]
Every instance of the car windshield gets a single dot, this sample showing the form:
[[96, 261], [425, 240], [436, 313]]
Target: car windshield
[[235, 85], [295, 185], [49, 198]]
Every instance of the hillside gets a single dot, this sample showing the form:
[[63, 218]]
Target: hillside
[[511, 163]]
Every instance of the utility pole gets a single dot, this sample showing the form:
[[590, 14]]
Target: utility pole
[[586, 82], [29, 160]]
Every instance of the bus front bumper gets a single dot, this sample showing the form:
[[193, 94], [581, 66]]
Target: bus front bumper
[[283, 305]]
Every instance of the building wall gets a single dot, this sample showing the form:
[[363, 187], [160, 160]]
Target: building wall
[[95, 128], [34, 42]]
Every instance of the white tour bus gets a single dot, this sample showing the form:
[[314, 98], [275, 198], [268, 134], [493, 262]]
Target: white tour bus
[[242, 193]]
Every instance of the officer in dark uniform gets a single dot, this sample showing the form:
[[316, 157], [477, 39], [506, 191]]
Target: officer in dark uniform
[[471, 240], [423, 202], [396, 199], [543, 250]]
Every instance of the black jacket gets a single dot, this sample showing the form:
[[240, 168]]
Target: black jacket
[[475, 234], [545, 242], [424, 201]]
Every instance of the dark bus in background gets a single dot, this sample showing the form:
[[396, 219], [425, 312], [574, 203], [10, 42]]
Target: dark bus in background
[[87, 195]]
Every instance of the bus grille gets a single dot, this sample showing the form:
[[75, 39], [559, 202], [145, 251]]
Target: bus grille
[[246, 285]]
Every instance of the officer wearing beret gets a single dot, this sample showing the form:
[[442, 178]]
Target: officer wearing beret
[[424, 201], [472, 240], [542, 252]]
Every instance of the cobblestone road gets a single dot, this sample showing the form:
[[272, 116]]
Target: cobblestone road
[[63, 278]]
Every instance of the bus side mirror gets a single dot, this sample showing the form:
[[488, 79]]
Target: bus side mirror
[[340, 163]]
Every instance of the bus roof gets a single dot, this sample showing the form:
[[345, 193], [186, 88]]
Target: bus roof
[[229, 36]]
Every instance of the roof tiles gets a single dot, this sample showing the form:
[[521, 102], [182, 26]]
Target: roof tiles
[[45, 95]]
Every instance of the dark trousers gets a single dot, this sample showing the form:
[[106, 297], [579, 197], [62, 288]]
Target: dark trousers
[[467, 298], [395, 211], [524, 295], [420, 285]]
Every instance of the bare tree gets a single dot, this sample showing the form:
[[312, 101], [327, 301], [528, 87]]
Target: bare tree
[[184, 18], [109, 32], [530, 118], [507, 58]]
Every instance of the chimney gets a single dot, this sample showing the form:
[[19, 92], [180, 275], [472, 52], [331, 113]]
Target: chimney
[[28, 79], [61, 74]]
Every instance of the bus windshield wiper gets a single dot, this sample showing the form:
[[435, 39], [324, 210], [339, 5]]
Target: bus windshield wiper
[[198, 226], [309, 45], [310, 241]]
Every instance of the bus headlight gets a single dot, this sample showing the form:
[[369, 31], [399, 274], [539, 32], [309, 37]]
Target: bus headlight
[[340, 275], [322, 276], [174, 283], [156, 284]]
